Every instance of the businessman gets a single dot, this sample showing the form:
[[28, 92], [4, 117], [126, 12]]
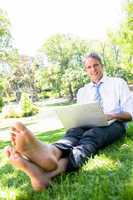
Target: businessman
[[41, 162]]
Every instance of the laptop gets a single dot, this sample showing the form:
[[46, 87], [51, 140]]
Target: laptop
[[78, 115]]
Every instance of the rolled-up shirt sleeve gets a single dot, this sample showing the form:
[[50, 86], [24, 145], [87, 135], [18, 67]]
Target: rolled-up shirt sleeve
[[126, 98]]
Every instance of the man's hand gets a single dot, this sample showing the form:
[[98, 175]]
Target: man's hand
[[123, 116]]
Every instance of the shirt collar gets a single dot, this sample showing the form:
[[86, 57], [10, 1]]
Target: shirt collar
[[102, 80]]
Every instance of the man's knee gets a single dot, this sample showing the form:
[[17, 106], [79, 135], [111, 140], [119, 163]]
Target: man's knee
[[93, 132], [93, 137]]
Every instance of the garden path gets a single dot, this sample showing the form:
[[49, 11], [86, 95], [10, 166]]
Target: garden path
[[45, 120]]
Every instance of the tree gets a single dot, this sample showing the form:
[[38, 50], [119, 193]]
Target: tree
[[123, 37], [48, 79], [72, 80], [23, 78], [61, 48], [8, 54], [66, 52]]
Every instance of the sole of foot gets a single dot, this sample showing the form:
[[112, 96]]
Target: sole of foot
[[28, 145], [39, 179]]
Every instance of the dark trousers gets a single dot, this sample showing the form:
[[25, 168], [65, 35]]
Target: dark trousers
[[80, 143]]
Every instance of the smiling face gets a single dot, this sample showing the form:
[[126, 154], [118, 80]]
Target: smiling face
[[94, 69]]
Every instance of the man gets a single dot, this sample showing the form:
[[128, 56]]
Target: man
[[41, 162]]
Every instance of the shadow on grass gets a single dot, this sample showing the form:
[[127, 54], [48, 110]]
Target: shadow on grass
[[108, 176]]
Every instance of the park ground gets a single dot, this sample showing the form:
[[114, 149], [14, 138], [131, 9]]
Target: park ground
[[107, 176]]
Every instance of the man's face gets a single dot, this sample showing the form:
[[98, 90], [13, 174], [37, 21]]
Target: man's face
[[93, 69]]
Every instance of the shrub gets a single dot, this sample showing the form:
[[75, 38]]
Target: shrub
[[28, 108]]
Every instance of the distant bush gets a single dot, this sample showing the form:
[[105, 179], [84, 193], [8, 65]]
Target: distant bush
[[24, 109], [120, 72], [28, 108]]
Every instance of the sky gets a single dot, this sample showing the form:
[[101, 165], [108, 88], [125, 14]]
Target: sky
[[34, 21]]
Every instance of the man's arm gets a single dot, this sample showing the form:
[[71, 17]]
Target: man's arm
[[123, 116], [126, 104]]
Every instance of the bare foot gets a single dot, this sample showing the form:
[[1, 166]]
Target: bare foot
[[38, 177], [28, 145]]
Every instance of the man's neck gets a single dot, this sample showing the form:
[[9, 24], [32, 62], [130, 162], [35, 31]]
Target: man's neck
[[97, 80]]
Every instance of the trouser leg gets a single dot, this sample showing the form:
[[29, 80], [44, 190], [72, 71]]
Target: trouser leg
[[92, 140], [70, 139]]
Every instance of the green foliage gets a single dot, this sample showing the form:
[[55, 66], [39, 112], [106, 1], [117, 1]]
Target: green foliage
[[4, 27], [28, 108], [65, 52], [64, 73], [61, 49], [123, 37], [8, 54], [48, 80], [72, 80], [120, 72]]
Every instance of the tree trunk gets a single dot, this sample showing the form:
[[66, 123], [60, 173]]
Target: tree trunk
[[70, 91]]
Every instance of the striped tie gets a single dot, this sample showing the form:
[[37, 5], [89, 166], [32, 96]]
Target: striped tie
[[98, 98]]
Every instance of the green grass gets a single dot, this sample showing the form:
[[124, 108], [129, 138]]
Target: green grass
[[108, 176]]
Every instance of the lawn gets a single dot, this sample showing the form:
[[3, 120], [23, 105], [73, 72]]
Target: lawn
[[108, 176]]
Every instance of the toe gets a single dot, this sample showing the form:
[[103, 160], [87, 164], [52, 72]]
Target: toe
[[13, 139], [19, 126], [13, 129], [8, 151]]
